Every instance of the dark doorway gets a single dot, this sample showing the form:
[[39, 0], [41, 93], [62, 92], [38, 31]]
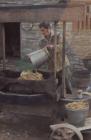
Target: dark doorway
[[12, 39]]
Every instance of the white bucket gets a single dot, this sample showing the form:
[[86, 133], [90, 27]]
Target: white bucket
[[39, 57]]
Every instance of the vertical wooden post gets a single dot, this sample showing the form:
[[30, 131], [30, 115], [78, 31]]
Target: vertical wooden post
[[85, 18], [63, 60], [80, 25], [88, 22], [88, 17], [3, 45], [55, 47]]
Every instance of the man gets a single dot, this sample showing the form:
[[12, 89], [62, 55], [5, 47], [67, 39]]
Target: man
[[49, 41]]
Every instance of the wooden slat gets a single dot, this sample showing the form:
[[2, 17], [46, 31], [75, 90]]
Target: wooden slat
[[75, 26]]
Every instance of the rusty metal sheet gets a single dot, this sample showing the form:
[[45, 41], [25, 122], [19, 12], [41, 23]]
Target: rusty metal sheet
[[41, 13]]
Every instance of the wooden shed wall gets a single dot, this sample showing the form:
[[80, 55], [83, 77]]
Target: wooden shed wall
[[30, 35]]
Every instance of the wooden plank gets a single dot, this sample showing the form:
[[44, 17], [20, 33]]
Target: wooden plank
[[86, 1], [49, 13]]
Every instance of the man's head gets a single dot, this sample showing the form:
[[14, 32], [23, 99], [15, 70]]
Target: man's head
[[45, 28]]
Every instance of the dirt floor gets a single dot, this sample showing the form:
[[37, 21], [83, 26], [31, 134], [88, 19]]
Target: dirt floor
[[16, 123], [19, 126], [14, 126]]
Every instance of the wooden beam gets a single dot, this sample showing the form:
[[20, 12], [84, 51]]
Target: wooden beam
[[41, 13]]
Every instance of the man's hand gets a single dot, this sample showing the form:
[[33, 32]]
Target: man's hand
[[49, 46]]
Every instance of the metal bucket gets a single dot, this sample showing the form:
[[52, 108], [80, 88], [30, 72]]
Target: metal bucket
[[77, 117], [38, 57], [81, 79]]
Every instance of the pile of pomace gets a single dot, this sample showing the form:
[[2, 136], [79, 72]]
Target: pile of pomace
[[77, 105], [29, 75]]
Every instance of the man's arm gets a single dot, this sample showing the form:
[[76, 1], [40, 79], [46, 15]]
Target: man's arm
[[42, 43]]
